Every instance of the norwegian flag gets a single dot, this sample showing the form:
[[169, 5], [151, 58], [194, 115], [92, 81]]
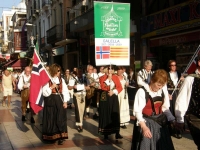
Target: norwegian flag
[[102, 52], [192, 64], [39, 77]]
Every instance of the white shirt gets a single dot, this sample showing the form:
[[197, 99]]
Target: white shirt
[[174, 77], [24, 80], [100, 74], [197, 71], [79, 87], [46, 91], [140, 103], [183, 99]]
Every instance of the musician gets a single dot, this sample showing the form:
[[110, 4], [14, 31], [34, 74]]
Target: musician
[[144, 75], [67, 77], [78, 85], [123, 99], [90, 94], [109, 117], [188, 105]]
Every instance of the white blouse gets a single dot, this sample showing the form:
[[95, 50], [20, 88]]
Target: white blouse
[[183, 99], [174, 77], [47, 91], [140, 103]]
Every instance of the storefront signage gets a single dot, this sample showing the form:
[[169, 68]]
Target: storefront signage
[[112, 33], [179, 17], [176, 39]]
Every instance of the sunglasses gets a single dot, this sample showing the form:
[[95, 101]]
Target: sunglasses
[[172, 65]]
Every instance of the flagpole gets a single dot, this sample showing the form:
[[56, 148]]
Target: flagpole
[[41, 60], [191, 61]]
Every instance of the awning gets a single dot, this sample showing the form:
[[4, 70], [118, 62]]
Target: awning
[[66, 41], [9, 63], [21, 63]]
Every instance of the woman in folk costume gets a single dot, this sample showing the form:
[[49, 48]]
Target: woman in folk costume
[[173, 86], [55, 103], [109, 116], [151, 108], [123, 99]]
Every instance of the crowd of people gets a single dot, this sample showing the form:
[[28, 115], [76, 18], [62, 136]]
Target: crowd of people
[[162, 103]]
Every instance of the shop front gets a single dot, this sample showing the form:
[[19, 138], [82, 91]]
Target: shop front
[[172, 33]]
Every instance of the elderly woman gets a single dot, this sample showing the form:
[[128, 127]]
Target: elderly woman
[[151, 108], [109, 115], [55, 103]]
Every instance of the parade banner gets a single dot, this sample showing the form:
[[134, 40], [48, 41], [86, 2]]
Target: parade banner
[[112, 33]]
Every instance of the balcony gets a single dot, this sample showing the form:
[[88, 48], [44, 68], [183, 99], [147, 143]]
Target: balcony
[[81, 23], [55, 34], [45, 4], [43, 41]]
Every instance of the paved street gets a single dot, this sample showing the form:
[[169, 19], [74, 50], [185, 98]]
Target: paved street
[[18, 135]]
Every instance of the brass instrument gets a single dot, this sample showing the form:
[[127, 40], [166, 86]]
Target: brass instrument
[[78, 82]]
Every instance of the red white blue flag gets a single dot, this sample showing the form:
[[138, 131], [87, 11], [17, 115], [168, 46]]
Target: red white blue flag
[[39, 77], [192, 65], [102, 52]]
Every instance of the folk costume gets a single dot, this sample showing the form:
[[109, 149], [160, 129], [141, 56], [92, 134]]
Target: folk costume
[[124, 104], [109, 115], [144, 77], [149, 104], [54, 115], [173, 78], [188, 104], [78, 99]]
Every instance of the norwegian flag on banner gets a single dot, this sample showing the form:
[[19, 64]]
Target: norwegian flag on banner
[[39, 77], [192, 65], [102, 52]]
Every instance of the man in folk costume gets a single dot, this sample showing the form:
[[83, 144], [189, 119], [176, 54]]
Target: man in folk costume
[[109, 115], [78, 84], [24, 85], [144, 75], [188, 104], [90, 94]]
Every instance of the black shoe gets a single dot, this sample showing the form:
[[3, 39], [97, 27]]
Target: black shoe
[[80, 129], [23, 118], [32, 120], [178, 136], [118, 136], [60, 142], [124, 127], [27, 110], [95, 116], [105, 136], [88, 115]]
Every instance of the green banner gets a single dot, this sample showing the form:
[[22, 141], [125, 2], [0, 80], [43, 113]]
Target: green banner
[[112, 33], [112, 20]]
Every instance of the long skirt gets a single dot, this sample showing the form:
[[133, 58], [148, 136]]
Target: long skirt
[[161, 139], [124, 108], [109, 119], [54, 118]]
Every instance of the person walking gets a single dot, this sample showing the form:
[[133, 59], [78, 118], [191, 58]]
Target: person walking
[[151, 108], [56, 95], [109, 115], [173, 85], [8, 82], [123, 99], [24, 87]]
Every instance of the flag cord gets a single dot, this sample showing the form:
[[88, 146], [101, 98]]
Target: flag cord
[[191, 60], [49, 75]]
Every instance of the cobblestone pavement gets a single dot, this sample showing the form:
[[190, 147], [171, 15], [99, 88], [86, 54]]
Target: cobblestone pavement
[[18, 135]]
